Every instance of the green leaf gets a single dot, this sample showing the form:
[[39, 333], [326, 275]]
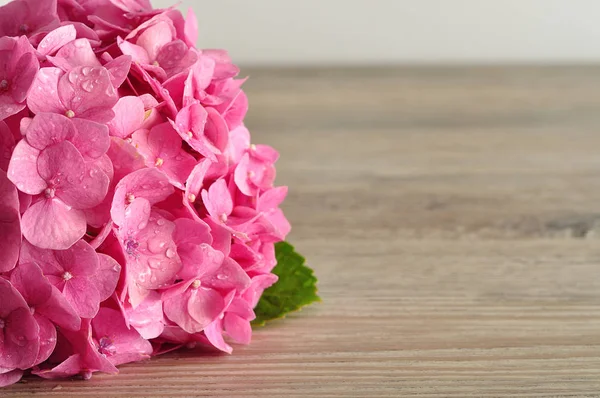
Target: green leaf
[[296, 287]]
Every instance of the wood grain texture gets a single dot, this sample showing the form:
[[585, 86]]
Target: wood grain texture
[[453, 217]]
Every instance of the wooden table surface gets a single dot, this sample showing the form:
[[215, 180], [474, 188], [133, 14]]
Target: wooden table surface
[[453, 218]]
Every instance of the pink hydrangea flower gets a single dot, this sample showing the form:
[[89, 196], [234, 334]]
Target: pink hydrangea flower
[[84, 92], [84, 277], [136, 215], [154, 46], [162, 149], [52, 167]]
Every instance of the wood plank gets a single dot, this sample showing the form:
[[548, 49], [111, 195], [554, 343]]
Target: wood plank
[[451, 215]]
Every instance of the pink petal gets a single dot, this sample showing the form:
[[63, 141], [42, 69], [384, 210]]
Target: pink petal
[[26, 70], [43, 96], [241, 177], [119, 69], [101, 237], [47, 129], [83, 296], [10, 225], [80, 260], [238, 328], [239, 142], [47, 338], [194, 184], [28, 279], [224, 69], [216, 129], [176, 57], [214, 333], [138, 54], [164, 142], [124, 157], [59, 311], [19, 342], [107, 277], [205, 305], [23, 170], [190, 123], [116, 341], [155, 37], [177, 169], [70, 367], [56, 39], [272, 198], [50, 224], [88, 93], [266, 154], [191, 231], [149, 184], [9, 377], [129, 116], [75, 54], [191, 27], [236, 112], [148, 318], [242, 308], [176, 311], [218, 200], [61, 163], [230, 276], [92, 139], [179, 87], [199, 260], [8, 106], [91, 190], [221, 237], [257, 287], [153, 258], [7, 144]]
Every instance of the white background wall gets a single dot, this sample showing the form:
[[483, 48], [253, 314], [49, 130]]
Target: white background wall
[[406, 31], [400, 31]]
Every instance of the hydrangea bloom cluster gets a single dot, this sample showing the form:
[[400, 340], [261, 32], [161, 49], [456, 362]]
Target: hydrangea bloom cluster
[[135, 215]]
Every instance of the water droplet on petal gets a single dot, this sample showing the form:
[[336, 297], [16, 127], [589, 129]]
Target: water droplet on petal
[[88, 85], [156, 245], [160, 222], [221, 277], [170, 253], [154, 263]]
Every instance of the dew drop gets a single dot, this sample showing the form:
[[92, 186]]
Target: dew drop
[[170, 253], [156, 245], [160, 222], [88, 85], [154, 263], [221, 277]]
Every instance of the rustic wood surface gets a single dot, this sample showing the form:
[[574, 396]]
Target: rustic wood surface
[[453, 217]]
